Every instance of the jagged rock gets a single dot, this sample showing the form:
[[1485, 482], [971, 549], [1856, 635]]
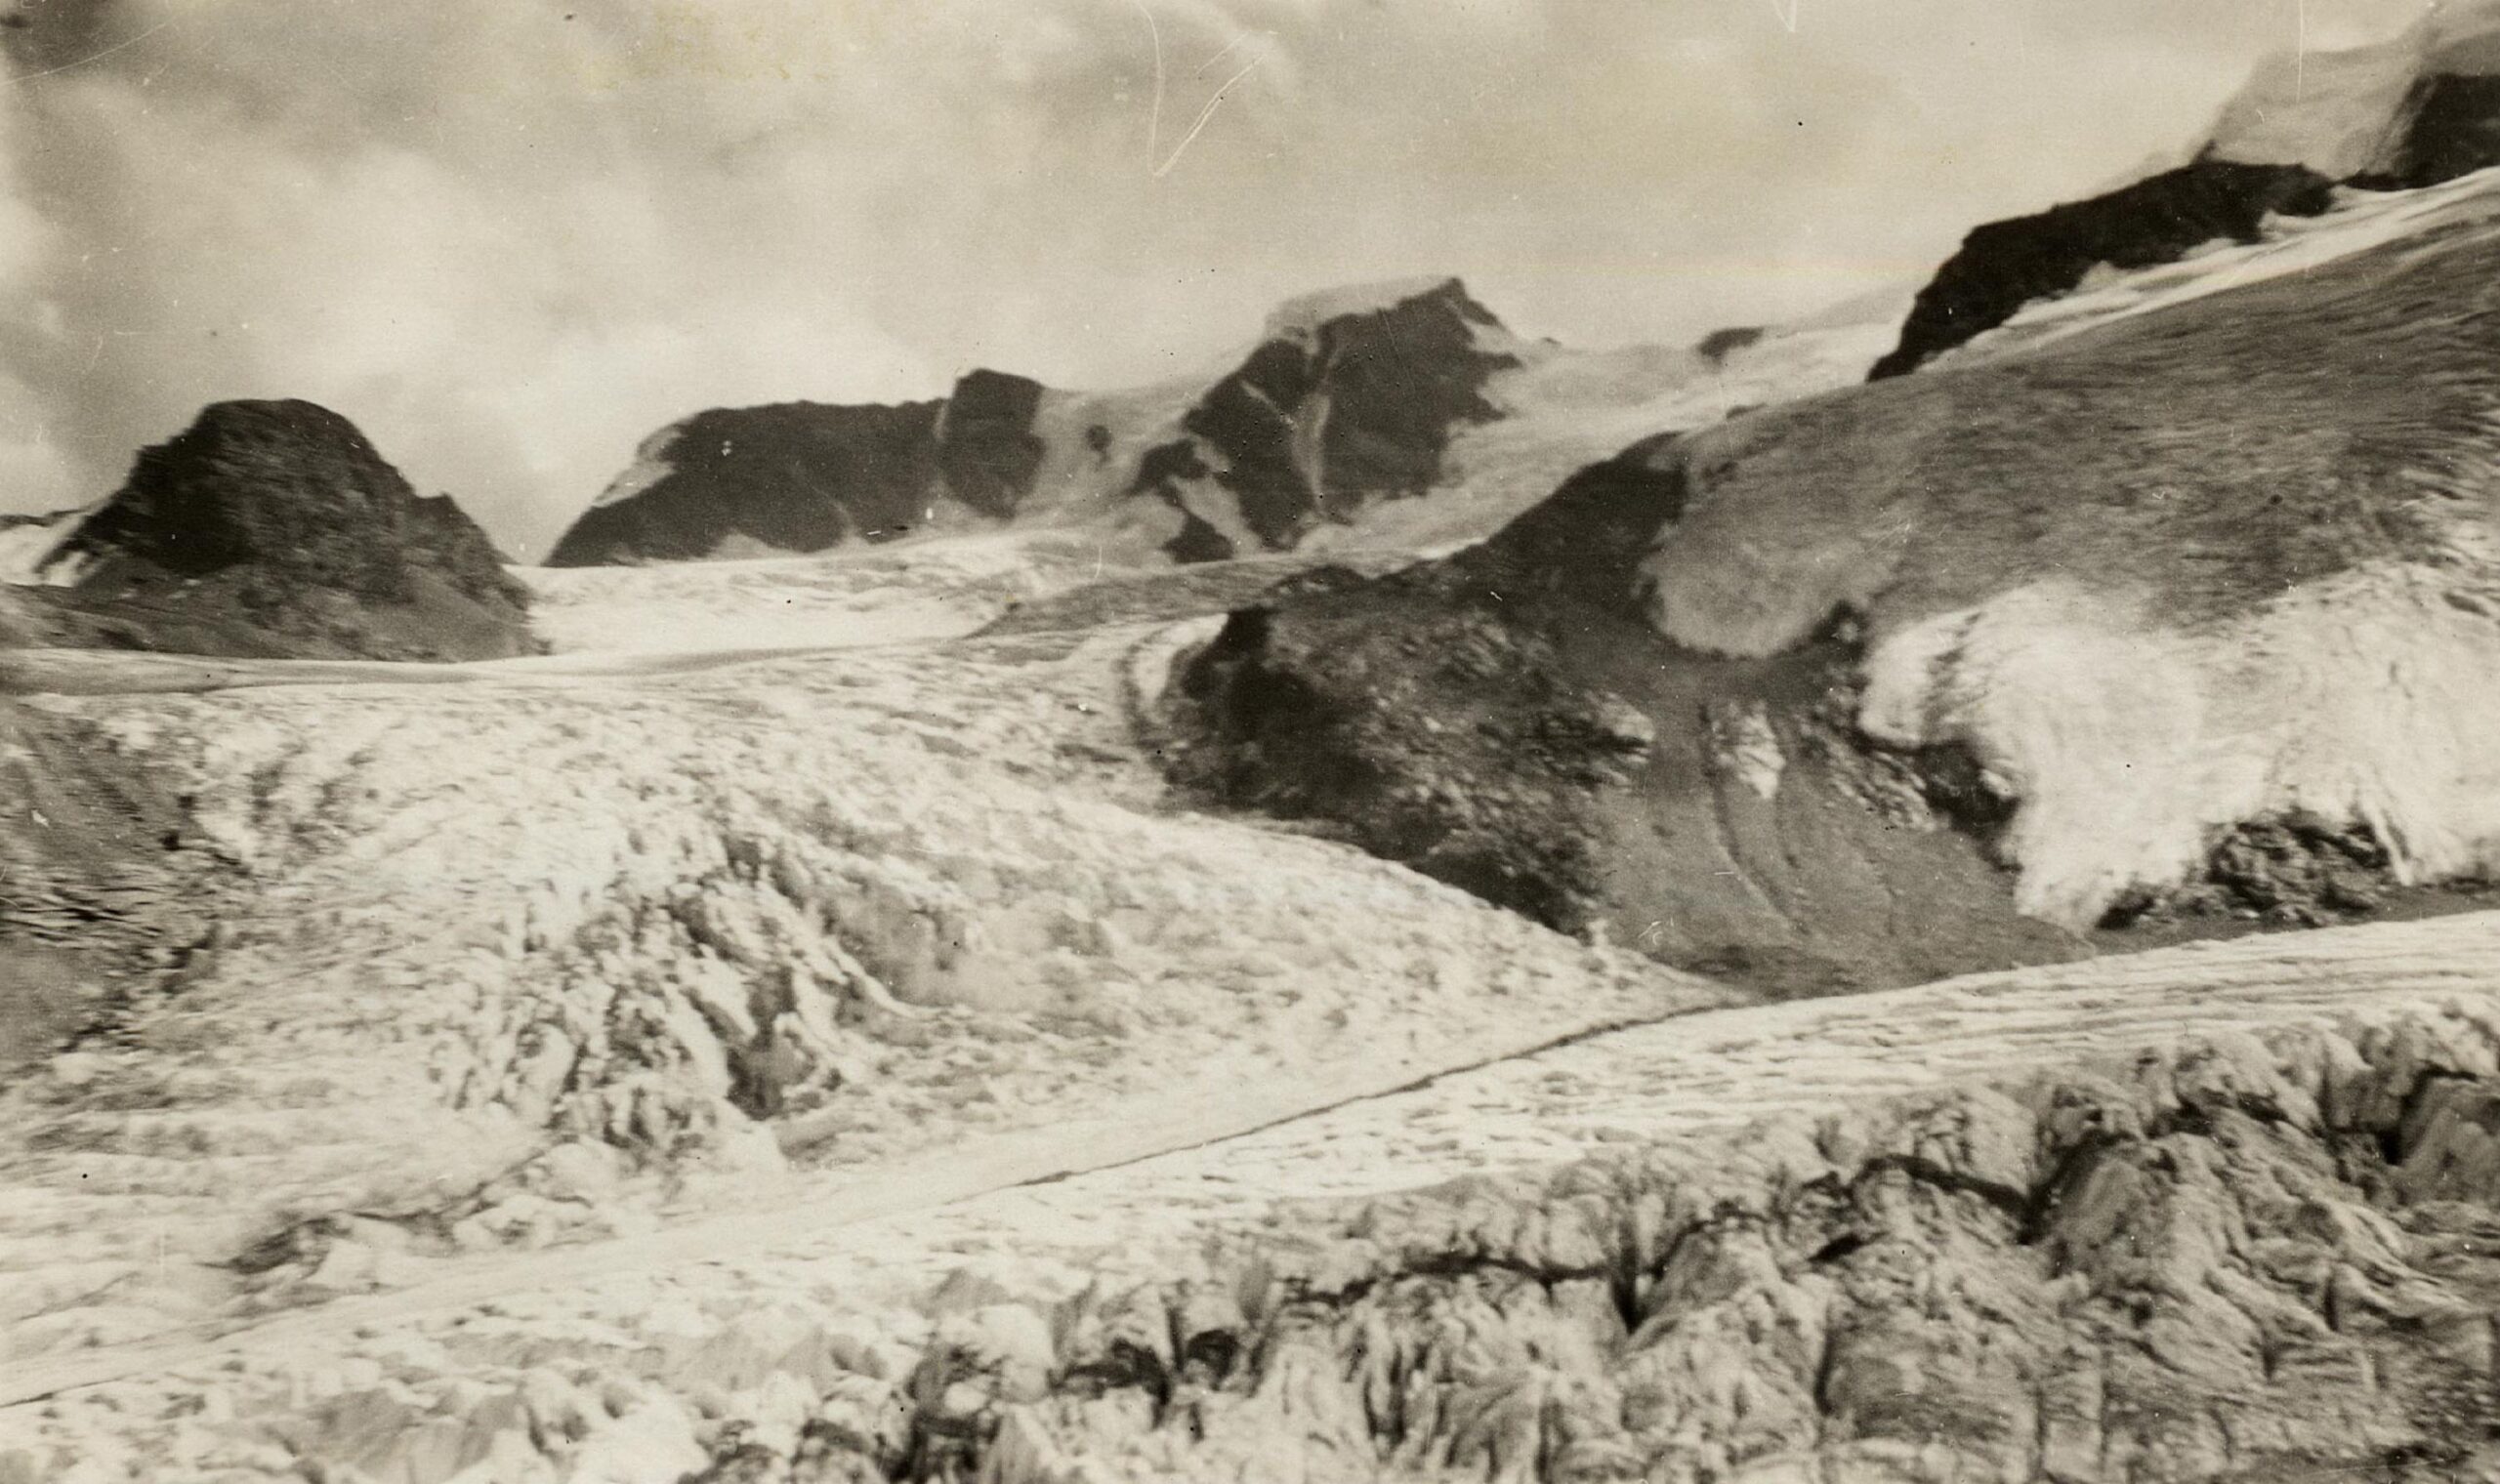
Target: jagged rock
[[2293, 870], [274, 528], [1350, 400]]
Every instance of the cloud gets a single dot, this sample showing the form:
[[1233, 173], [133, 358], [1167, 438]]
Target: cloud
[[510, 237]]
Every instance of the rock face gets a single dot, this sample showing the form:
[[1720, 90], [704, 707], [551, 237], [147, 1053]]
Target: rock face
[[2454, 130], [803, 477], [2415, 111], [1953, 670], [1348, 401], [2004, 266], [987, 453], [274, 528]]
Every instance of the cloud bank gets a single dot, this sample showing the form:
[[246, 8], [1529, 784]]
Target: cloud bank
[[509, 237]]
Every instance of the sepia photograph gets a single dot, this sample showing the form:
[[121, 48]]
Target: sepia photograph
[[1249, 741]]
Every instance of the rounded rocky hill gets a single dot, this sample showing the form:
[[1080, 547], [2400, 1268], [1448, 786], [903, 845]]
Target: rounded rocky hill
[[274, 528], [805, 476], [2186, 623]]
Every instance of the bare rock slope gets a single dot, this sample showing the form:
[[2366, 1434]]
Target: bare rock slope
[[1349, 398], [1345, 403]]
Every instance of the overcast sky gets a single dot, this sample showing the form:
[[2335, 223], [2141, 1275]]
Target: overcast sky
[[509, 237]]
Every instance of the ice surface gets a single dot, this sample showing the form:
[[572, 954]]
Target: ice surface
[[681, 919]]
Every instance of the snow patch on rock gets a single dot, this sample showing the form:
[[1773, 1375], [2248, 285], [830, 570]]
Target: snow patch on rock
[[654, 461], [30, 549]]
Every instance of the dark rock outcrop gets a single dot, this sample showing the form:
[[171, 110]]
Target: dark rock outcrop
[[987, 453], [1719, 345], [274, 528], [1351, 398], [2004, 266], [1326, 417], [2291, 870], [804, 477]]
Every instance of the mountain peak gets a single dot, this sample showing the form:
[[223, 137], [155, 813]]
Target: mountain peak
[[1353, 397], [1302, 317]]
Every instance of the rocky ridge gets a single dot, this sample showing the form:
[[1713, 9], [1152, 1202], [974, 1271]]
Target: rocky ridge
[[2416, 111], [2004, 266], [1356, 408]]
